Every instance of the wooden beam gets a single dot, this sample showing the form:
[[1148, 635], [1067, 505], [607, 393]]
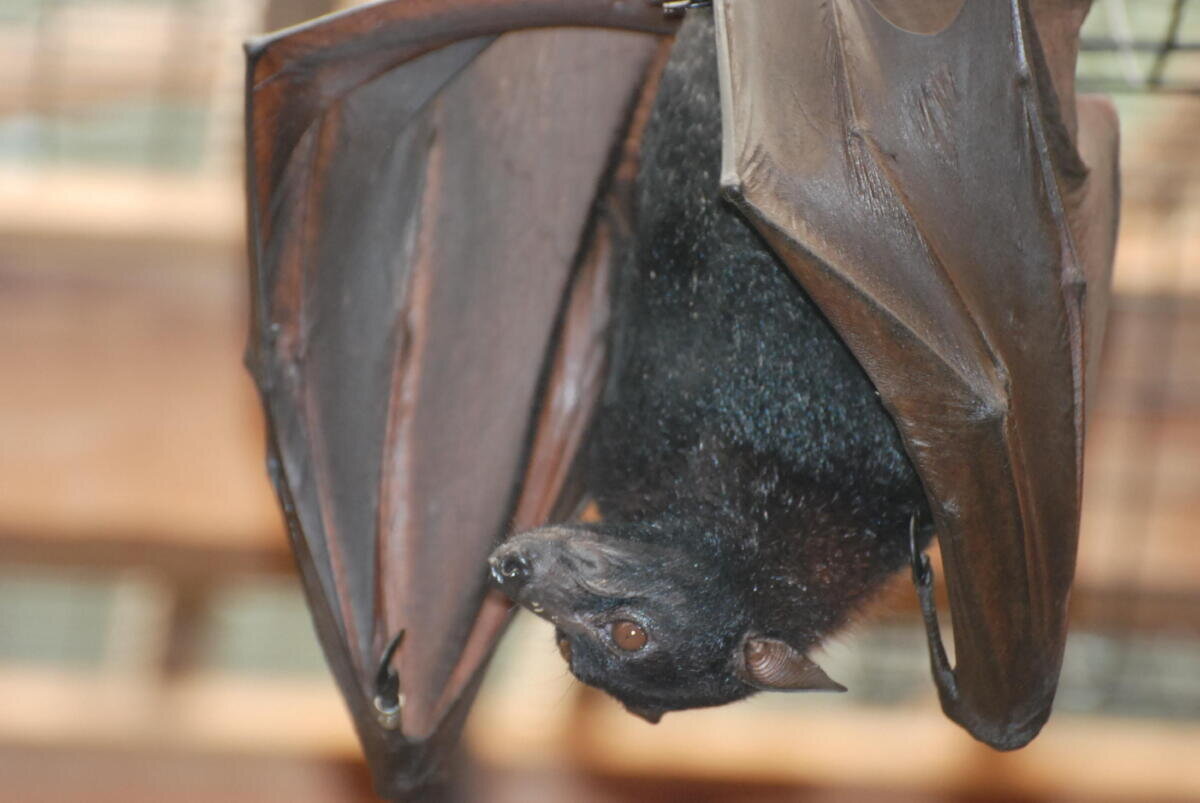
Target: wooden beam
[[532, 715], [203, 714]]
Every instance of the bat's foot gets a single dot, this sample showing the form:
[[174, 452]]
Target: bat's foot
[[922, 574]]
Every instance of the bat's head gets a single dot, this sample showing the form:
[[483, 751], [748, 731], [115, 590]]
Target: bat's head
[[657, 628]]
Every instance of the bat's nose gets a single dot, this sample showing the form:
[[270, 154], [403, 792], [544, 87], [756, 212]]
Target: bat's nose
[[511, 568], [515, 568]]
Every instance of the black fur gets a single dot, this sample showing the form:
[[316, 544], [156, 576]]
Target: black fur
[[750, 481]]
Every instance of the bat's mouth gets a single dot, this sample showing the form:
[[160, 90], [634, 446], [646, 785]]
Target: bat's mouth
[[508, 576]]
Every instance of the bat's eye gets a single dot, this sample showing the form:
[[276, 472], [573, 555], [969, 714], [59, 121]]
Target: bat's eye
[[629, 636]]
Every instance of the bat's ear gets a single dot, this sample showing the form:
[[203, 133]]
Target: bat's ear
[[651, 714], [770, 664]]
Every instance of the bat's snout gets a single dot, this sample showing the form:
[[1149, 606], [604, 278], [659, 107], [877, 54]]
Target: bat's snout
[[533, 569], [511, 569], [517, 564]]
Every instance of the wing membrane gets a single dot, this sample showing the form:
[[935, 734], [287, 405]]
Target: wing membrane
[[921, 189], [418, 194]]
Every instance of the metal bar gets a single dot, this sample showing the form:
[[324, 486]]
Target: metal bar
[[1105, 44], [1115, 86], [1168, 44]]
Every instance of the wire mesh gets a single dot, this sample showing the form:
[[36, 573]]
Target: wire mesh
[[1141, 46], [151, 84]]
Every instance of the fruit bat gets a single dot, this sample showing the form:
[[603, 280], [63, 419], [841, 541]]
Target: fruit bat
[[438, 212], [753, 488]]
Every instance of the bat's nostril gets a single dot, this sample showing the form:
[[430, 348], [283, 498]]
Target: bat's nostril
[[515, 568]]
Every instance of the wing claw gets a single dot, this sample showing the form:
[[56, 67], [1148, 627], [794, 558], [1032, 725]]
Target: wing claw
[[388, 700]]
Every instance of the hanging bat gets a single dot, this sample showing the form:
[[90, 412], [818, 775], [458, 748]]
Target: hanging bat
[[754, 490], [436, 200]]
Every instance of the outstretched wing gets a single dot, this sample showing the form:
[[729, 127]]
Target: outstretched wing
[[420, 187], [929, 193]]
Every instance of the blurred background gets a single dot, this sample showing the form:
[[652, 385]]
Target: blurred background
[[154, 644]]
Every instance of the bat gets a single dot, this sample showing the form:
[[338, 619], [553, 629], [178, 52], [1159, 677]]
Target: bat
[[754, 490], [437, 210]]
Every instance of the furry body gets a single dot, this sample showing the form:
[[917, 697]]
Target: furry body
[[750, 481]]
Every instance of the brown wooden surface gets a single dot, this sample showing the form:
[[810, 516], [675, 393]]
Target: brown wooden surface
[[127, 417], [534, 715], [165, 776]]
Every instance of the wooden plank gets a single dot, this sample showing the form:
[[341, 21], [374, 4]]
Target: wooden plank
[[900, 749], [117, 776], [129, 415], [202, 714], [533, 716], [82, 205]]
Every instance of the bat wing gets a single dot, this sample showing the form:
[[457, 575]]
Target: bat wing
[[932, 193], [420, 183]]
